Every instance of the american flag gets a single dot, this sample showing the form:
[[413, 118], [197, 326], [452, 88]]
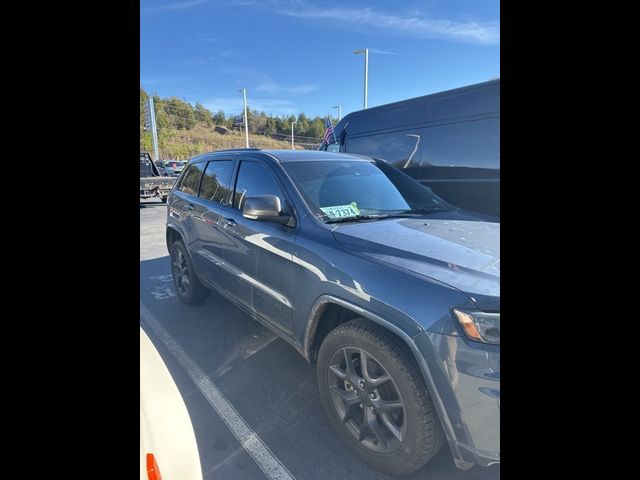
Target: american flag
[[328, 132]]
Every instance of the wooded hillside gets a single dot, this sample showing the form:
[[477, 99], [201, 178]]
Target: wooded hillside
[[185, 130]]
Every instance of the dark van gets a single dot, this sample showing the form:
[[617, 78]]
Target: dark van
[[448, 141]]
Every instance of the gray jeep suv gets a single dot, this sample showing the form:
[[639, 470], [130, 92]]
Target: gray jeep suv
[[393, 292]]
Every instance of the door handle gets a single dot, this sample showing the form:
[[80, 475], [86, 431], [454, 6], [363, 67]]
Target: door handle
[[229, 222], [190, 206]]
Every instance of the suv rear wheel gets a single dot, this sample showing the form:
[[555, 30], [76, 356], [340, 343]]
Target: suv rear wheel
[[188, 287], [376, 398]]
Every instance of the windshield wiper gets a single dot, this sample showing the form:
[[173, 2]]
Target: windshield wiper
[[356, 218], [425, 211], [396, 214]]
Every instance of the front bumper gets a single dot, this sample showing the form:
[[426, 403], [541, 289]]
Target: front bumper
[[465, 379]]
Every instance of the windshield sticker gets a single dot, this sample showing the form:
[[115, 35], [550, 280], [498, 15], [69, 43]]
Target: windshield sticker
[[341, 211]]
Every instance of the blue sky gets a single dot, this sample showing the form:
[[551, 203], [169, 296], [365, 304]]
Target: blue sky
[[296, 56]]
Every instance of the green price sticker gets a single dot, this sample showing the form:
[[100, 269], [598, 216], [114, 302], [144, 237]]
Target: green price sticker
[[341, 211]]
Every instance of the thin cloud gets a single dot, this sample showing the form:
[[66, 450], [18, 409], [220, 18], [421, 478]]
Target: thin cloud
[[275, 88], [165, 79], [174, 6], [192, 3], [274, 107], [233, 105], [186, 40], [208, 39], [416, 25], [194, 62], [244, 73], [383, 52], [198, 61], [260, 81]]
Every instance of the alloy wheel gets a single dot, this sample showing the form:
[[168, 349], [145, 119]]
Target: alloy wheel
[[367, 400], [180, 271]]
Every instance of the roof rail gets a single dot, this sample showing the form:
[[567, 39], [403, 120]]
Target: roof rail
[[253, 149]]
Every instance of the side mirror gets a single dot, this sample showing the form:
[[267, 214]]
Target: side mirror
[[266, 208]]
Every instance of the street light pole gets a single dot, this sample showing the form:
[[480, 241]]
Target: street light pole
[[366, 76], [246, 119], [366, 72], [339, 111], [292, 124], [154, 129]]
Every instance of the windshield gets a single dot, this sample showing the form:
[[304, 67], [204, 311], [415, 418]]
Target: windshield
[[345, 189]]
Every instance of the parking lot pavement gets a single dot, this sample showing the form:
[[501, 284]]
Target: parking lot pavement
[[244, 386]]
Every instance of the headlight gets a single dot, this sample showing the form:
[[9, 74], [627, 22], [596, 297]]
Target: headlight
[[480, 326]]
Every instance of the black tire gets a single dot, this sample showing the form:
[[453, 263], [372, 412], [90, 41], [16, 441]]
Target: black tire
[[420, 434], [187, 285], [164, 199]]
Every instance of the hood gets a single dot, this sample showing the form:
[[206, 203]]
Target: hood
[[461, 253]]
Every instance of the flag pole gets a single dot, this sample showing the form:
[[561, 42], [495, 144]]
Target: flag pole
[[332, 129]]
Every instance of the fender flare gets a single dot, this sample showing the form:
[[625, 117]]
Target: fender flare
[[175, 229]]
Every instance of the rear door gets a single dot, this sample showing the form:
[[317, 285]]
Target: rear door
[[258, 255], [184, 205], [215, 196]]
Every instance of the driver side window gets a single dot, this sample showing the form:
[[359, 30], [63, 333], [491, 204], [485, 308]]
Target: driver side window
[[254, 179]]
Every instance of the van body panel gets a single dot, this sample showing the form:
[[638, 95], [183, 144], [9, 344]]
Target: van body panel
[[448, 141]]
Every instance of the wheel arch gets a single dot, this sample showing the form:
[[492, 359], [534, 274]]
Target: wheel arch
[[324, 317], [173, 234], [328, 312]]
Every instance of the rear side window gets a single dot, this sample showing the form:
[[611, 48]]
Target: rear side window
[[400, 149], [191, 179], [333, 147], [215, 184], [254, 179]]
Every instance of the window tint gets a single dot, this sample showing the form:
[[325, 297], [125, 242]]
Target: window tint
[[191, 179], [215, 182], [254, 179], [466, 144], [333, 147], [400, 149]]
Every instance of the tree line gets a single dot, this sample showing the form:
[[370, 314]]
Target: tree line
[[173, 113]]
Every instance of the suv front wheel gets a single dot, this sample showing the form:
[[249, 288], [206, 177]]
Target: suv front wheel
[[376, 398]]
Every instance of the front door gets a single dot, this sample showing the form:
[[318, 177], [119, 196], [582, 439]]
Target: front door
[[258, 255]]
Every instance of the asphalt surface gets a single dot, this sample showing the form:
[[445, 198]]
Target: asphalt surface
[[267, 382]]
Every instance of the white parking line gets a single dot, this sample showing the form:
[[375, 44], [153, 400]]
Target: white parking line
[[266, 460]]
